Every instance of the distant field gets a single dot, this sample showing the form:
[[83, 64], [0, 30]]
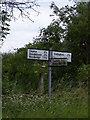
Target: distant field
[[65, 104]]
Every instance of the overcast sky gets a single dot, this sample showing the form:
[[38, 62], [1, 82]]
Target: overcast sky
[[22, 32]]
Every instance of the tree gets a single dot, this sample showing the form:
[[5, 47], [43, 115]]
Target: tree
[[7, 11], [69, 33], [62, 34], [74, 20], [77, 36], [50, 37], [20, 73], [4, 18], [22, 6]]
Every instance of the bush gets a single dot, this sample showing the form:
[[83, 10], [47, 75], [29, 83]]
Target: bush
[[83, 75]]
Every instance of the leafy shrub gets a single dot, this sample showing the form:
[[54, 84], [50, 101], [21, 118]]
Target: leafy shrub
[[83, 75]]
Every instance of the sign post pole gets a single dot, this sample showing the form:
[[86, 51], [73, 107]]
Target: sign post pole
[[56, 58], [50, 56]]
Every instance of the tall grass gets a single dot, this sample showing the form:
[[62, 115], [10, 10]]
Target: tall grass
[[62, 104]]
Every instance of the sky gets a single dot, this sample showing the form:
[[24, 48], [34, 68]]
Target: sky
[[22, 31]]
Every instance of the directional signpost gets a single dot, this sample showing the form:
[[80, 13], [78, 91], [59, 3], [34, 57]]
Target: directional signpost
[[56, 62], [60, 58], [55, 59], [37, 54], [61, 55]]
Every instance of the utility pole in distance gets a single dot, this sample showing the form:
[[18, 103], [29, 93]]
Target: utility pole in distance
[[50, 56]]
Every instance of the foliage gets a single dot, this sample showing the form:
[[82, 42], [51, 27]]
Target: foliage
[[83, 75], [22, 6], [7, 12], [77, 36], [69, 83], [21, 73], [24, 74], [63, 104], [50, 37], [74, 20], [4, 20]]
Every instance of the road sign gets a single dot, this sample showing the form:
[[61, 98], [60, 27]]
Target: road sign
[[56, 62], [55, 59], [37, 54], [61, 55]]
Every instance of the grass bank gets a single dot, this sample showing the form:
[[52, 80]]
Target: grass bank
[[66, 104]]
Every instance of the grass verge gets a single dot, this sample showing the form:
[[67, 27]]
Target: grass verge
[[66, 104]]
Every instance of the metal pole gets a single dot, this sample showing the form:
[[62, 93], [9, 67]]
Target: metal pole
[[50, 56]]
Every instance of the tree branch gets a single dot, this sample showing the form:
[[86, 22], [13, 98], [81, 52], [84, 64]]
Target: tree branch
[[22, 6]]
